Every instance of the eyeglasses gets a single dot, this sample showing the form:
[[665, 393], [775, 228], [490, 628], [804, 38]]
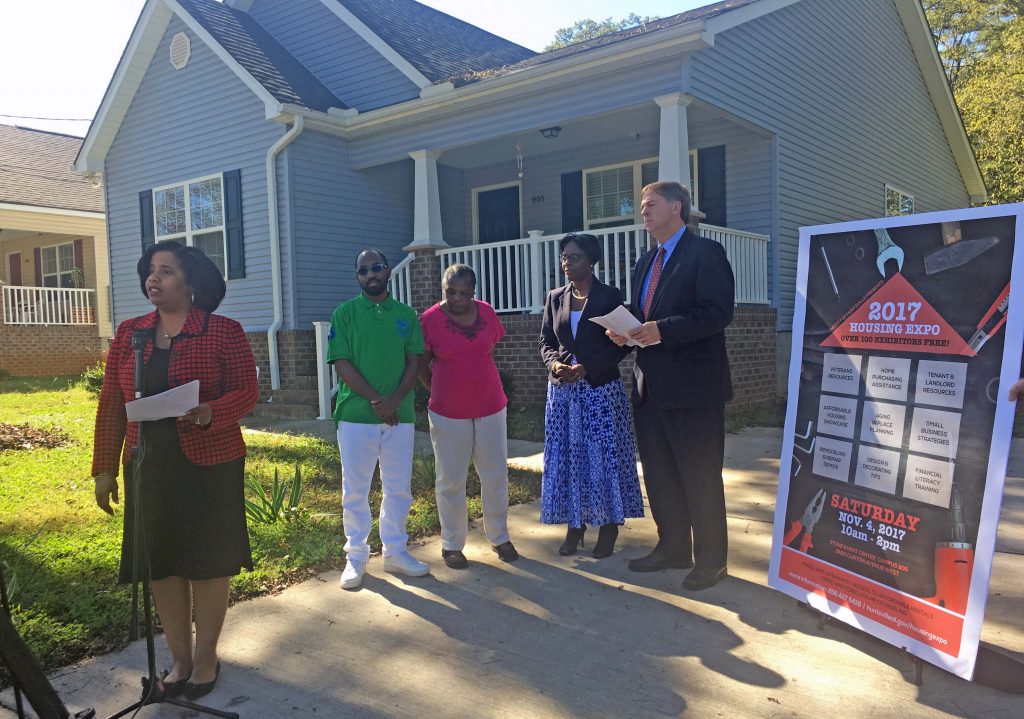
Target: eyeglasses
[[570, 259], [375, 268]]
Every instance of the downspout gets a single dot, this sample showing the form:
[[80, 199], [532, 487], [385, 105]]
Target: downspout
[[275, 249]]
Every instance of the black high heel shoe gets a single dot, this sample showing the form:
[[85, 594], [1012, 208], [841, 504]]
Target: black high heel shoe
[[606, 537], [573, 539], [194, 691]]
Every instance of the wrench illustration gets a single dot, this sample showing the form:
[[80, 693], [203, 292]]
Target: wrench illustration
[[887, 250]]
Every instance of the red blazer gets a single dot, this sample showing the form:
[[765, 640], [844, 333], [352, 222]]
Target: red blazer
[[210, 348]]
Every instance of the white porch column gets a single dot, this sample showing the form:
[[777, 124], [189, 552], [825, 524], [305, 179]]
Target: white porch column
[[427, 219], [674, 148]]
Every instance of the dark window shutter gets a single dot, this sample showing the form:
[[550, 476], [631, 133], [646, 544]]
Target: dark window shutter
[[146, 229], [572, 201], [38, 252], [711, 184], [80, 256], [233, 224]]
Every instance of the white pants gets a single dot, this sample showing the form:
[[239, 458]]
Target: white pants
[[361, 447], [456, 441]]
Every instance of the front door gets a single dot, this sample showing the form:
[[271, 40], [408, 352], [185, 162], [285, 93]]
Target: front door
[[14, 269], [498, 215]]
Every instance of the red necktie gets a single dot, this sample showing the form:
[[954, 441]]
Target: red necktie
[[659, 261]]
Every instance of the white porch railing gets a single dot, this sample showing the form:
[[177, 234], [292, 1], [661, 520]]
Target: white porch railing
[[48, 306], [515, 276], [327, 380]]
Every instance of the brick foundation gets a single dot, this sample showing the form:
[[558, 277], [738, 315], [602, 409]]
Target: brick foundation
[[27, 350]]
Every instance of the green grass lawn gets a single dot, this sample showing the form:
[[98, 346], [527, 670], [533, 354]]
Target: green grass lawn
[[60, 552]]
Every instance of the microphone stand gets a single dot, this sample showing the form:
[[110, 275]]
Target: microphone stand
[[151, 692]]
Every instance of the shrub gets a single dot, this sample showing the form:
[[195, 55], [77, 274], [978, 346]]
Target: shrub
[[281, 503], [92, 379]]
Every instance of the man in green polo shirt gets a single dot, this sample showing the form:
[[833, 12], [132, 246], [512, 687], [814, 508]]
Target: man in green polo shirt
[[375, 344]]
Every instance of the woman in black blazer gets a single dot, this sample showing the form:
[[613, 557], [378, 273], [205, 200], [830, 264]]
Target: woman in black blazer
[[589, 454]]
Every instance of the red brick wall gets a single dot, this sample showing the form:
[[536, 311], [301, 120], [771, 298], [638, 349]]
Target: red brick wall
[[296, 353], [27, 350], [750, 340]]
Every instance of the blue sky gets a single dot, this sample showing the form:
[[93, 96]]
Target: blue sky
[[59, 55]]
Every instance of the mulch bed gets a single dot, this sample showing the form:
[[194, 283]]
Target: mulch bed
[[22, 436]]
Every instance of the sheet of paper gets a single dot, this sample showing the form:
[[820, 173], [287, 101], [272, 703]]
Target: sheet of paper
[[621, 321], [173, 403]]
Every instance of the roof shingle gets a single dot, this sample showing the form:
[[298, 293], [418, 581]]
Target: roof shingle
[[261, 55], [438, 45], [35, 170]]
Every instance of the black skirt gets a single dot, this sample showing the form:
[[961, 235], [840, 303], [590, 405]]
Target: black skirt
[[193, 517]]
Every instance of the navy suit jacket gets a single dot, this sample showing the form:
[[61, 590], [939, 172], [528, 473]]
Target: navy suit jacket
[[692, 305], [592, 348]]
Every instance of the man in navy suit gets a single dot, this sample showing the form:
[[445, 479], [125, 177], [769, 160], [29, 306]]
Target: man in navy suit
[[683, 295]]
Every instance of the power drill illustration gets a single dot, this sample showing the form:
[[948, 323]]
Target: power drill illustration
[[954, 560]]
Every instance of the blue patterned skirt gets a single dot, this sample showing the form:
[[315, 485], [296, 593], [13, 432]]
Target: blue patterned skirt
[[589, 456]]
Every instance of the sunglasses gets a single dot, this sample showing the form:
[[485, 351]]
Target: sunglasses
[[375, 268]]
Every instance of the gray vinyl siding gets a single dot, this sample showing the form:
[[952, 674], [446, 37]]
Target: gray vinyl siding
[[748, 176], [838, 83], [337, 212], [451, 183], [345, 63], [184, 124], [553, 105]]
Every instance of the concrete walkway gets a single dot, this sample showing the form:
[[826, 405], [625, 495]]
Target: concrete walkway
[[552, 636]]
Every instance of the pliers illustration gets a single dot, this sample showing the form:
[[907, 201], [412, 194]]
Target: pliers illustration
[[806, 522]]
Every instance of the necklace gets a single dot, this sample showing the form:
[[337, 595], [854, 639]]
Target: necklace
[[168, 335], [577, 295]]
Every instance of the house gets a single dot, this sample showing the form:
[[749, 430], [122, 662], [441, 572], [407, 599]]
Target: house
[[283, 136], [54, 303]]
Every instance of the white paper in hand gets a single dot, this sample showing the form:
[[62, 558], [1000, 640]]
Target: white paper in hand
[[621, 321], [173, 403]]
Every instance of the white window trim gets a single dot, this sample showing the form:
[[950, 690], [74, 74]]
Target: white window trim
[[885, 196], [189, 233], [56, 248], [476, 206], [637, 166]]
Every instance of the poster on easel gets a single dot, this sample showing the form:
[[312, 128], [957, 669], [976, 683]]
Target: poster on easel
[[906, 338]]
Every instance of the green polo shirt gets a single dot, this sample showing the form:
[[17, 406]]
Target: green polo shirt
[[375, 337]]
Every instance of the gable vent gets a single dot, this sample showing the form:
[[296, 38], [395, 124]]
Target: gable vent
[[181, 49]]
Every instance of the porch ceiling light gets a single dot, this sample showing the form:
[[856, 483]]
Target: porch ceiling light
[[550, 132]]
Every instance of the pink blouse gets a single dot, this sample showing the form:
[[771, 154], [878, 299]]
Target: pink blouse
[[465, 383]]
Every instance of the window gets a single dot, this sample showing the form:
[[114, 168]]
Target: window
[[611, 194], [898, 202], [58, 268], [193, 213]]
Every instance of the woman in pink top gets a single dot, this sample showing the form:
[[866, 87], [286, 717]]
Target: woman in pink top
[[467, 413]]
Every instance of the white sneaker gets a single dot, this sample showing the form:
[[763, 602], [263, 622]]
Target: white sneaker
[[352, 577], [405, 563]]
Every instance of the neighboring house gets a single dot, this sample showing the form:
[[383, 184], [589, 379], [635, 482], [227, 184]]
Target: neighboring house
[[55, 316], [283, 136]]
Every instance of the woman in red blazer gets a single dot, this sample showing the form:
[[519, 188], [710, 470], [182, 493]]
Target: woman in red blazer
[[191, 468]]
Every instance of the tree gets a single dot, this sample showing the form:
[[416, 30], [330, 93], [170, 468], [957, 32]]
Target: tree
[[588, 29], [981, 43]]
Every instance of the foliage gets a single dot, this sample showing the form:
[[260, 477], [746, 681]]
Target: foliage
[[981, 43], [282, 502], [526, 423], [588, 29], [92, 379]]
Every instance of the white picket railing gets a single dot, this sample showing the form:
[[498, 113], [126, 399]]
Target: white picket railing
[[48, 306], [515, 276]]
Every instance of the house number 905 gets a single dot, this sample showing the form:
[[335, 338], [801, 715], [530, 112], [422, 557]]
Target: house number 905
[[538, 199]]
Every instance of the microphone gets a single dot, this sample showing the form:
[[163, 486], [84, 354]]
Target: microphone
[[138, 343]]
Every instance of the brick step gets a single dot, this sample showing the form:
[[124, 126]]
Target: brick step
[[280, 410]]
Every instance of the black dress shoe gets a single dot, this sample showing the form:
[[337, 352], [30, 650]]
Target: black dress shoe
[[194, 691], [454, 559], [506, 552], [703, 579], [656, 561], [172, 689], [573, 539], [605, 541]]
